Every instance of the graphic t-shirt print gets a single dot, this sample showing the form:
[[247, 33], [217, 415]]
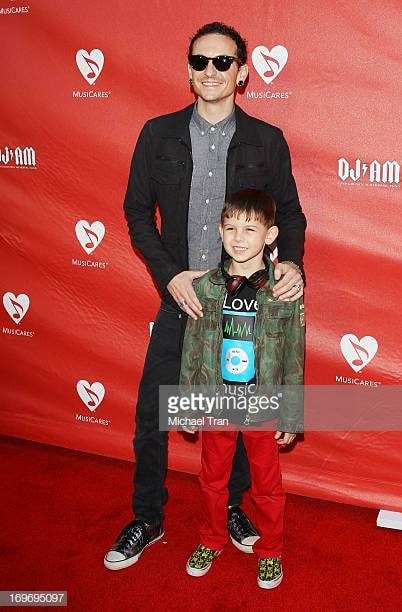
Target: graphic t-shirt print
[[238, 321]]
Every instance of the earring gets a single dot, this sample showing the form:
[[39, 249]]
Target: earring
[[190, 81], [240, 83]]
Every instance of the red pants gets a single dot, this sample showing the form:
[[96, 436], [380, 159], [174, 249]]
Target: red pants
[[218, 448]]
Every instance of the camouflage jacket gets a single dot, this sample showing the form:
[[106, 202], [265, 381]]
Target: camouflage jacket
[[279, 337]]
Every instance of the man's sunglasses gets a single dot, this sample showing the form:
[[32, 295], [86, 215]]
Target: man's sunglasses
[[221, 62]]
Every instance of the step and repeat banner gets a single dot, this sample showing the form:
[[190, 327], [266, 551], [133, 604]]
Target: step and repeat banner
[[79, 79]]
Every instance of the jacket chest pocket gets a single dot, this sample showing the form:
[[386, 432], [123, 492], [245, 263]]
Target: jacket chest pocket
[[251, 175], [274, 320], [166, 176], [167, 171]]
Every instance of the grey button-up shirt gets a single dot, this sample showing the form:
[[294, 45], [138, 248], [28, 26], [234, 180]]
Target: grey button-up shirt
[[209, 145]]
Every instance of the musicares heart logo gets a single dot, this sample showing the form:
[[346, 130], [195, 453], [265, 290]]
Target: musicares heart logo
[[358, 353], [89, 235], [16, 305], [90, 64], [91, 395], [268, 63]]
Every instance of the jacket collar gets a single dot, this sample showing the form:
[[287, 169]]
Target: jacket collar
[[177, 125], [216, 275], [246, 128]]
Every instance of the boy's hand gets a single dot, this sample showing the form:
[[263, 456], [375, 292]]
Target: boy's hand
[[182, 290], [190, 429], [290, 286], [286, 439]]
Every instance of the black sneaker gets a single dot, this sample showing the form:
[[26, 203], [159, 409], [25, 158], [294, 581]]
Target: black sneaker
[[242, 531], [130, 543]]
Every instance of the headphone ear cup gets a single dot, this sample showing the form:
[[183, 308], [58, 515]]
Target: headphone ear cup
[[234, 284], [258, 279]]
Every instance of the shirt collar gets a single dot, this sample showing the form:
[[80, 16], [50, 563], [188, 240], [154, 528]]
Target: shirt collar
[[204, 126]]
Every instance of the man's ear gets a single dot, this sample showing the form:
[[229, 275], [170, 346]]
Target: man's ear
[[242, 74], [272, 234]]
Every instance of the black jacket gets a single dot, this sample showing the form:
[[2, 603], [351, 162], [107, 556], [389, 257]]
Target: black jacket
[[161, 170]]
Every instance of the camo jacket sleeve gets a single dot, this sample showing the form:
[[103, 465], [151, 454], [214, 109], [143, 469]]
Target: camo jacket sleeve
[[191, 358], [292, 409]]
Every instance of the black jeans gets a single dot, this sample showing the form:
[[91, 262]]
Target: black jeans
[[162, 367]]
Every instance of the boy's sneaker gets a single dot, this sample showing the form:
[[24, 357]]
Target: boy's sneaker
[[131, 542], [270, 572], [201, 560], [242, 532]]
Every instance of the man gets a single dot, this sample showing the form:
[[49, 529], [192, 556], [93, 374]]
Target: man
[[186, 162]]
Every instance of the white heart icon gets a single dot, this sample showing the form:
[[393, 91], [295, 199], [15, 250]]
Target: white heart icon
[[268, 63], [358, 353], [89, 235], [91, 395], [90, 64], [16, 305]]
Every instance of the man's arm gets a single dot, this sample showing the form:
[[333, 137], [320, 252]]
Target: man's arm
[[289, 217], [139, 206], [292, 224]]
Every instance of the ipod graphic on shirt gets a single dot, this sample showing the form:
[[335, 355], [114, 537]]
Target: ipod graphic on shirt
[[237, 358]]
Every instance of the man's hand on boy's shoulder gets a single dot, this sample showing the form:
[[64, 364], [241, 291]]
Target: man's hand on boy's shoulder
[[284, 438], [182, 290], [290, 285]]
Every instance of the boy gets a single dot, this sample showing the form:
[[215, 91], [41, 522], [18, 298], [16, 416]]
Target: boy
[[263, 349]]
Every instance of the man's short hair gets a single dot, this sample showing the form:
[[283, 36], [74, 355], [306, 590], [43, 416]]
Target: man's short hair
[[217, 27], [255, 204]]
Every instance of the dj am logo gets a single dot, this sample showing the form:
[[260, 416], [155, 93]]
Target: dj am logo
[[90, 394], [89, 235], [374, 173], [90, 64], [358, 353], [269, 63], [16, 306], [19, 157]]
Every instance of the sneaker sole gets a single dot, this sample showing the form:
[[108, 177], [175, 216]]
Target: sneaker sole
[[118, 565], [246, 548], [271, 584], [197, 573]]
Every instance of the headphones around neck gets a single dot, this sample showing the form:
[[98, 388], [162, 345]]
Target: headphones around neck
[[234, 284]]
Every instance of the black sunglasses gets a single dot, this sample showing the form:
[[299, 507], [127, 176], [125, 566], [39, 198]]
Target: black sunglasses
[[221, 62]]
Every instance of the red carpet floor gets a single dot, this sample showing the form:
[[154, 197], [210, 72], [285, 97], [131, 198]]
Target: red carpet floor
[[61, 509]]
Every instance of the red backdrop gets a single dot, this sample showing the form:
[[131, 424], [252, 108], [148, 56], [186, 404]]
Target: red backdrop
[[78, 81]]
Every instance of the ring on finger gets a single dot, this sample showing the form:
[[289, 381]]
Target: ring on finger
[[297, 286], [182, 303]]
